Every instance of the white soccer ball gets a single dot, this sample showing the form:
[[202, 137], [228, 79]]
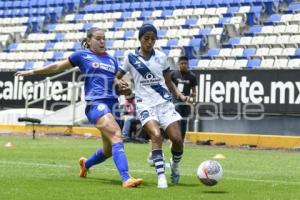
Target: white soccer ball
[[210, 172]]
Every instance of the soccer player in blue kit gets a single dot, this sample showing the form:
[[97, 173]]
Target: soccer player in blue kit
[[99, 70]]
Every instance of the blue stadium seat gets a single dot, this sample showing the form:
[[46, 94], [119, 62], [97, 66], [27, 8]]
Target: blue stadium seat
[[145, 14], [253, 63], [16, 4], [117, 25], [57, 55], [166, 50], [79, 17], [25, 12], [145, 5], [297, 53], [165, 5], [25, 4], [8, 4], [126, 14], [186, 3], [51, 27], [125, 6], [273, 19], [116, 7], [109, 44], [205, 31], [77, 46], [161, 33], [135, 6], [28, 65], [172, 42], [249, 52], [87, 26], [234, 40], [193, 63], [166, 13], [129, 34], [293, 8], [154, 5], [107, 7], [224, 20], [49, 45], [119, 54], [191, 21], [12, 47], [194, 46], [254, 30], [213, 52], [233, 10], [59, 37]]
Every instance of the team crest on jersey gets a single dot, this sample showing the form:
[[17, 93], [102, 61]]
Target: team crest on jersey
[[149, 75], [144, 115], [101, 107]]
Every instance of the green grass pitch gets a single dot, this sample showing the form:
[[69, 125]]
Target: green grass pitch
[[47, 169]]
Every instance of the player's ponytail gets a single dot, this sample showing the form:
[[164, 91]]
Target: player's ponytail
[[89, 34]]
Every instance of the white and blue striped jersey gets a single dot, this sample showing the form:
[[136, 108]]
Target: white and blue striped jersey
[[149, 82]]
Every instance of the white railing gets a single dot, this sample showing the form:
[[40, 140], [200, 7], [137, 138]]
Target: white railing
[[46, 96]]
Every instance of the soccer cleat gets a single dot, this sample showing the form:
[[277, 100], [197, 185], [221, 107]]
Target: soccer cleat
[[174, 172], [132, 182], [83, 170], [162, 182]]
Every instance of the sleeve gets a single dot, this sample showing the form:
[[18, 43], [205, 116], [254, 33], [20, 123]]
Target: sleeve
[[125, 67], [194, 81], [75, 59]]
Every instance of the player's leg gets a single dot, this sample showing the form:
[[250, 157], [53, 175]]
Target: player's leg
[[98, 157], [152, 128], [175, 136], [110, 128], [170, 122]]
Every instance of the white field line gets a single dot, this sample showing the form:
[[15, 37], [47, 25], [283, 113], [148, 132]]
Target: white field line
[[3, 162]]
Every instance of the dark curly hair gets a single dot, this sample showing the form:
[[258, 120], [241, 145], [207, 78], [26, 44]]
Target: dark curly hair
[[89, 34]]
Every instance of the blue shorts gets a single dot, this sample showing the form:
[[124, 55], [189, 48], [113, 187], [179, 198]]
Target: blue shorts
[[96, 109]]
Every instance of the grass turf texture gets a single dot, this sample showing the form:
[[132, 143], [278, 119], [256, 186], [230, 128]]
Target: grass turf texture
[[47, 168]]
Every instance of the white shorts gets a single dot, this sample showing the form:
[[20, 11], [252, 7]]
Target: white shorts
[[165, 114]]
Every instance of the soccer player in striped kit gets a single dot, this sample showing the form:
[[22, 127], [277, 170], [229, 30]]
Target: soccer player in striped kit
[[150, 71], [99, 70]]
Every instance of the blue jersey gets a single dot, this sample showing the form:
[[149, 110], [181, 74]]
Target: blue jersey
[[99, 73]]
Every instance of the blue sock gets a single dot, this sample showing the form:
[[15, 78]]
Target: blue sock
[[120, 160], [96, 158]]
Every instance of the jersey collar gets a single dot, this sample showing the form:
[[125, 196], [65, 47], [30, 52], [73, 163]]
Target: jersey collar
[[137, 52]]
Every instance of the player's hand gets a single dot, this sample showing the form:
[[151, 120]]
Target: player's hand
[[186, 99], [24, 73], [123, 87]]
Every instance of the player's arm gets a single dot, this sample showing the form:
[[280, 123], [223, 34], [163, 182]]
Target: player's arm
[[48, 69], [193, 94], [173, 89], [122, 85]]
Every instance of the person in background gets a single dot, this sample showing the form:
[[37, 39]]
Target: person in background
[[152, 81], [99, 70], [129, 116], [186, 83]]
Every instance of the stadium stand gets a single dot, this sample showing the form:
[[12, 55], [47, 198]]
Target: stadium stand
[[236, 32]]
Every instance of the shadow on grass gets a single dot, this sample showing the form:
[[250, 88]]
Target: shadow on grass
[[215, 192], [111, 181]]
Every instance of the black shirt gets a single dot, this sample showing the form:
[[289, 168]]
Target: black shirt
[[184, 82]]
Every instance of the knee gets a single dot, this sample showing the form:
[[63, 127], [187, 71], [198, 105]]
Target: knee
[[108, 153], [116, 137], [177, 140]]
